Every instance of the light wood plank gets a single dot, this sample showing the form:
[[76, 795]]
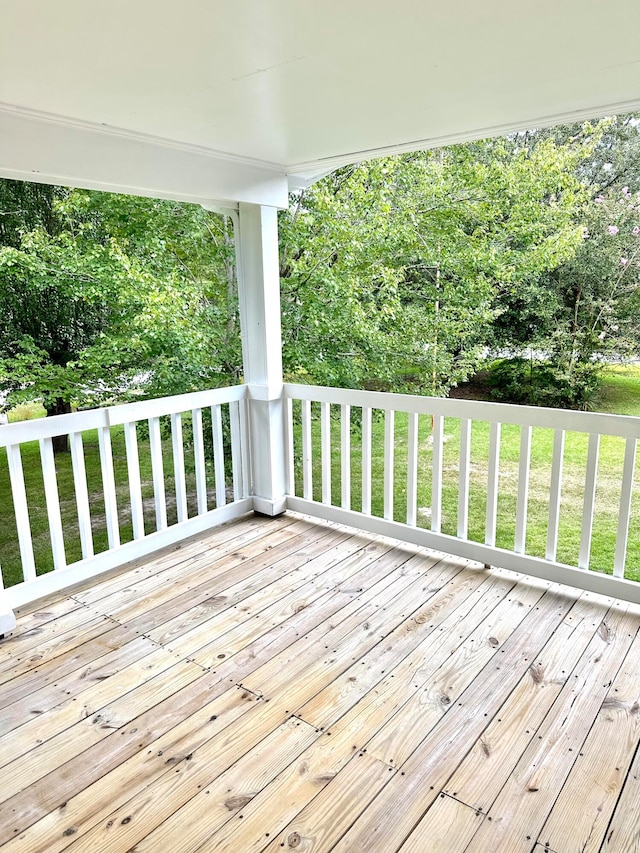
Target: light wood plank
[[535, 782], [395, 742], [447, 827], [484, 771], [597, 777], [121, 782], [187, 783], [623, 832], [427, 636], [293, 789], [322, 822], [405, 799]]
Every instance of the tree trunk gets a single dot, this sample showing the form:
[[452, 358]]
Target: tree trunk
[[59, 407]]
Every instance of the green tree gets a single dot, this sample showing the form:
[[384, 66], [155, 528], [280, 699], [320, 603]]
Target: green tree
[[390, 269], [110, 296]]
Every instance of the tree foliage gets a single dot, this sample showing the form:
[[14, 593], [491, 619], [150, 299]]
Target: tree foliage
[[105, 296], [402, 272], [390, 269]]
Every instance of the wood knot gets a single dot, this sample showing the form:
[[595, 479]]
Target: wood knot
[[239, 802], [325, 778], [494, 641], [294, 839], [536, 670], [604, 632]]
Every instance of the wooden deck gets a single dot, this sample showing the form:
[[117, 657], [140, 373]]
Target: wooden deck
[[280, 683]]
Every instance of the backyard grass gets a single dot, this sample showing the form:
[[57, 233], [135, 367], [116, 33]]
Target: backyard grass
[[620, 395]]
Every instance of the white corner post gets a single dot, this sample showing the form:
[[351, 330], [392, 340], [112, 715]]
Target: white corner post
[[259, 304]]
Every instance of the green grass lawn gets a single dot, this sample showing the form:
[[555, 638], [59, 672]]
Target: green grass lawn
[[620, 395]]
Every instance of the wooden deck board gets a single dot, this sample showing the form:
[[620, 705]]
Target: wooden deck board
[[286, 684]]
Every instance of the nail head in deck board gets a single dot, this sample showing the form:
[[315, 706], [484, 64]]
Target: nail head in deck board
[[72, 701], [545, 765], [145, 708], [405, 798], [112, 789], [623, 832], [447, 827], [351, 635], [481, 775], [187, 806], [408, 656], [596, 778], [398, 738]]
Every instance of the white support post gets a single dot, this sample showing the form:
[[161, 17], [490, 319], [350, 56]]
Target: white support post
[[259, 303]]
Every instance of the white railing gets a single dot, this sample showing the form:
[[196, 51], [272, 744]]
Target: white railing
[[367, 458], [116, 505], [463, 477]]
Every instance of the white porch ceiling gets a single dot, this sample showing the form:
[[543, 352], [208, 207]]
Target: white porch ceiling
[[225, 99]]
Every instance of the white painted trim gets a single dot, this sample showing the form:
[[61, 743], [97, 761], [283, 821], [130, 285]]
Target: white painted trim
[[49, 148], [625, 426], [7, 617], [304, 174], [483, 554], [84, 570], [269, 507]]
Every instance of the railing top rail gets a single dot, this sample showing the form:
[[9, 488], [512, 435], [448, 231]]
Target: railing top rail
[[127, 412], [624, 426], [22, 431]]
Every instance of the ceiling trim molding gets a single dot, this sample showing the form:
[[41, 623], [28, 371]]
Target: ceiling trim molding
[[302, 175], [52, 149], [136, 136]]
